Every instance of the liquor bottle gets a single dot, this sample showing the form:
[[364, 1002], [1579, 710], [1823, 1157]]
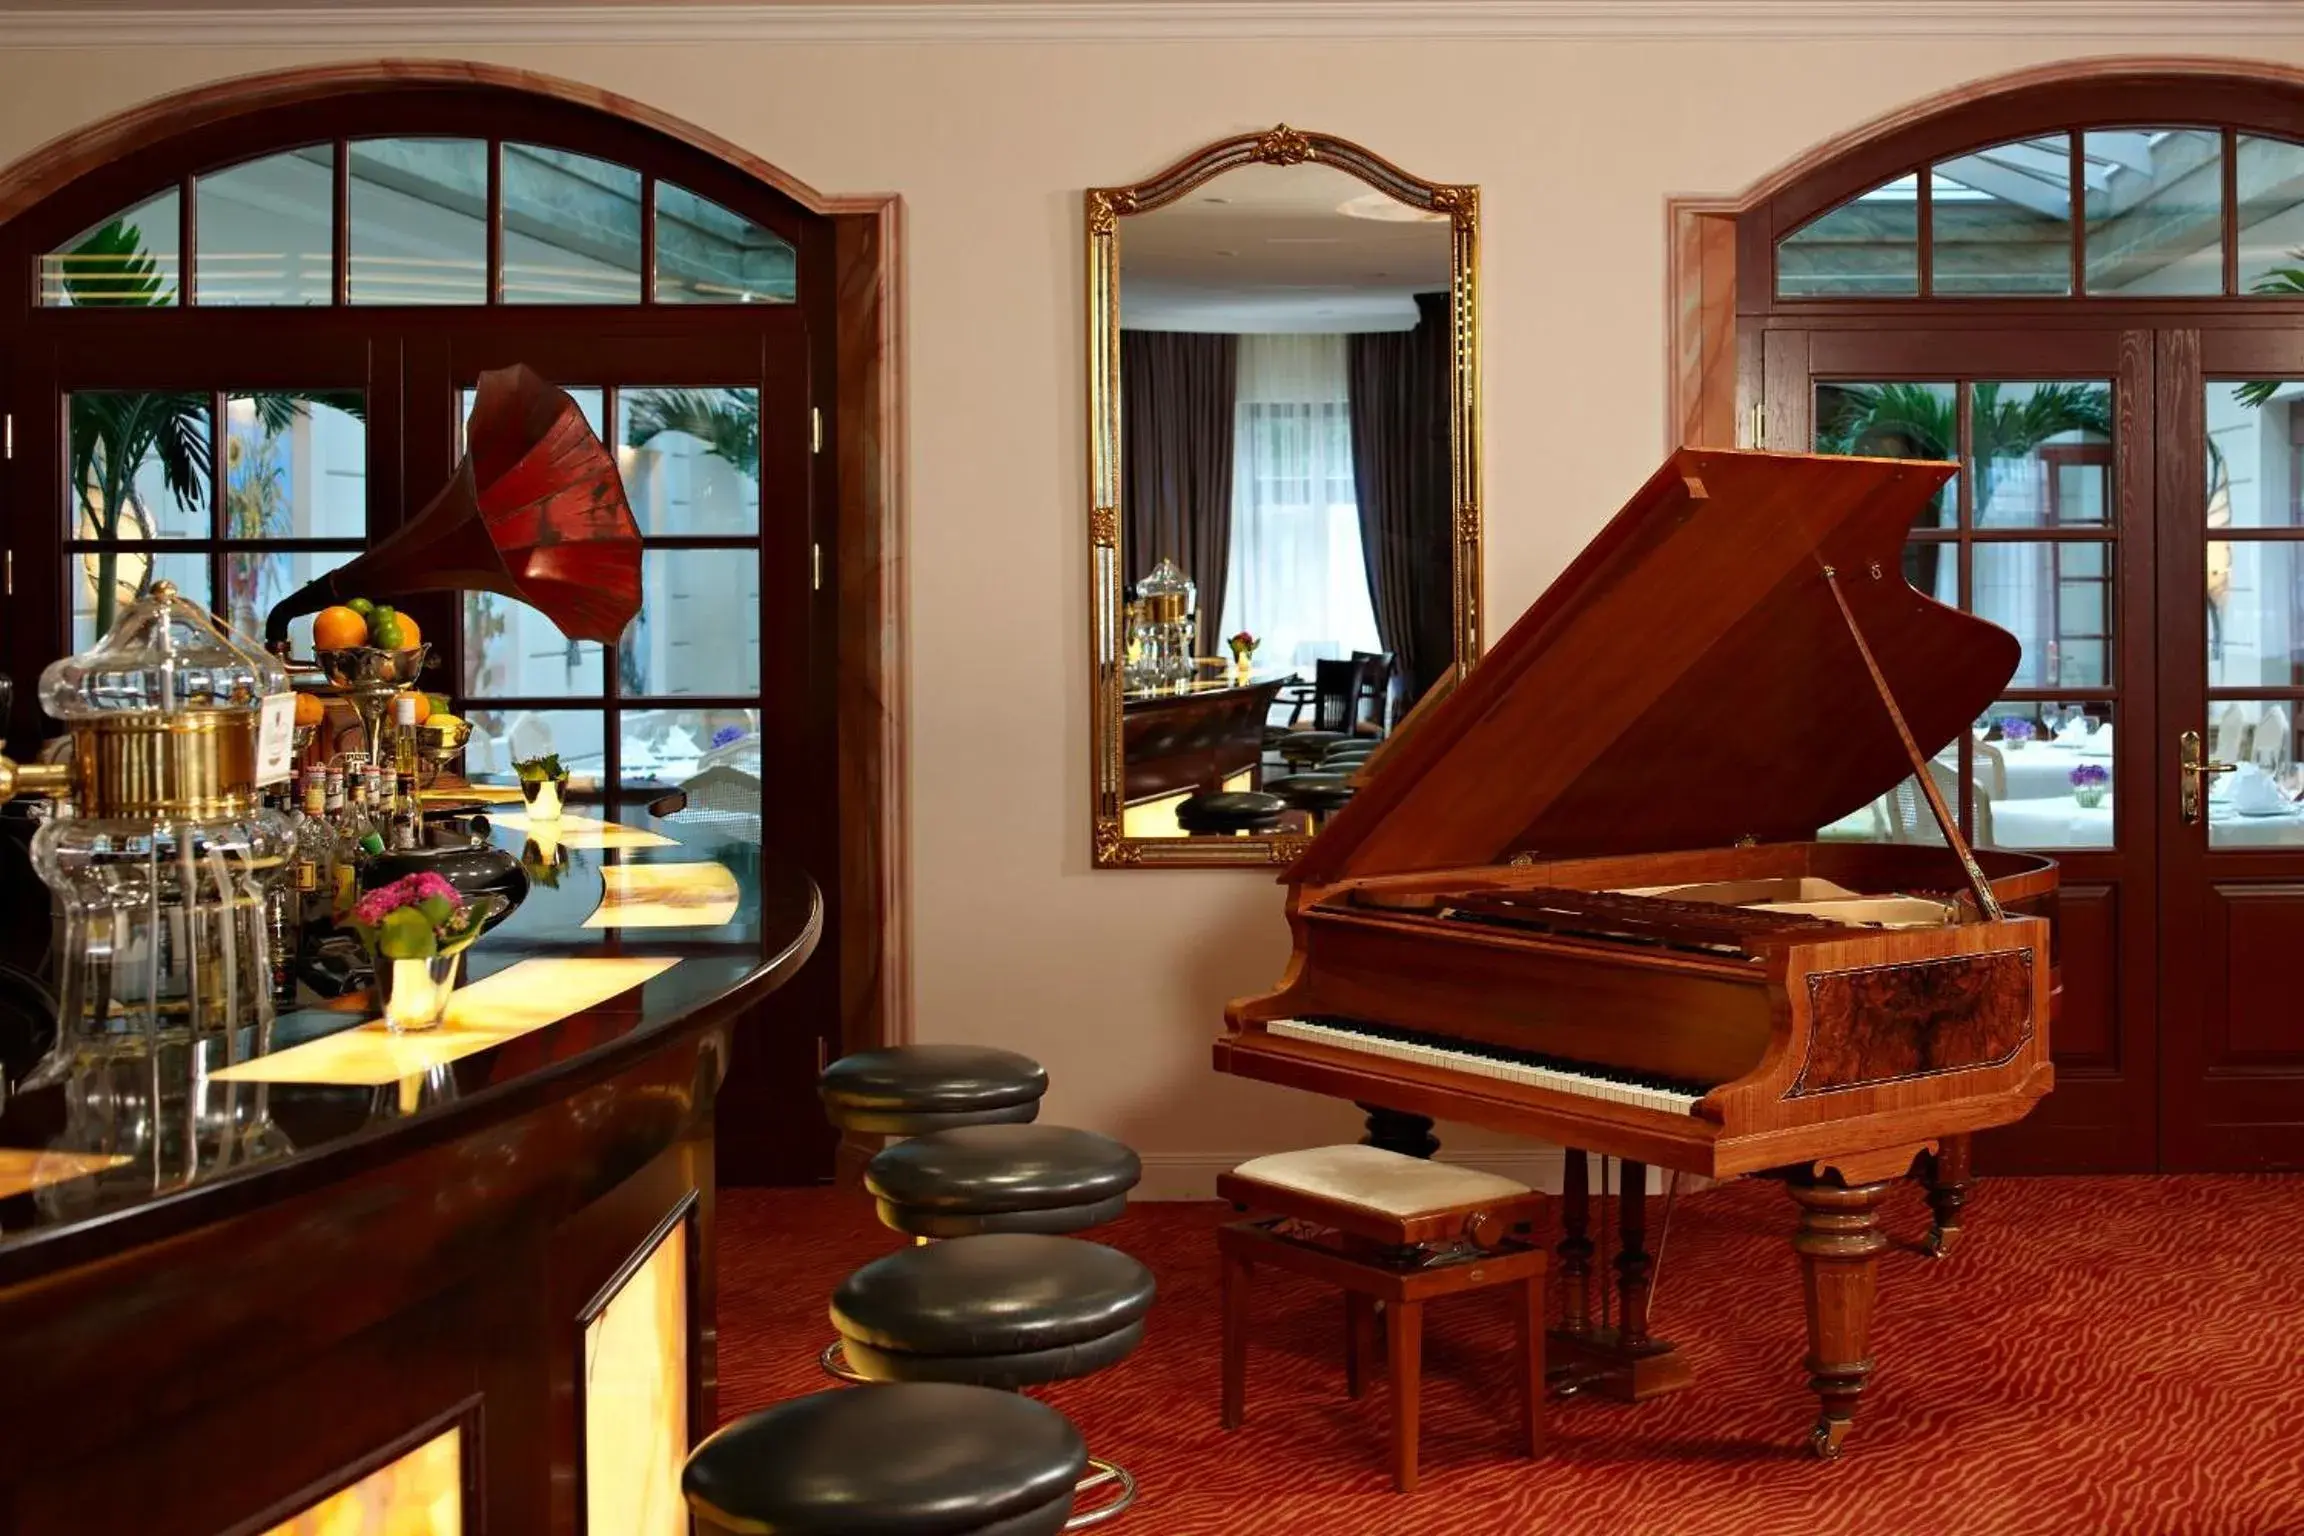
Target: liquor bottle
[[281, 905], [315, 868], [345, 826], [404, 822], [373, 809]]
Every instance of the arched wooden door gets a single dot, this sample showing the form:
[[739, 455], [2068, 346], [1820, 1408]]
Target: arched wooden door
[[2091, 295], [239, 354]]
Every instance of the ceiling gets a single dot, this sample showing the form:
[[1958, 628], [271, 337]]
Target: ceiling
[[1280, 249]]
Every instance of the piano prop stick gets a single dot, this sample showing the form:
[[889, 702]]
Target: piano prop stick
[[1585, 901]]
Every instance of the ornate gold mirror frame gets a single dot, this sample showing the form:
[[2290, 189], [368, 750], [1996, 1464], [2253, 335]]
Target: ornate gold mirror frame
[[1106, 207]]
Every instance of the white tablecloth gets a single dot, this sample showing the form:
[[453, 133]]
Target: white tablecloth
[[2038, 770], [2059, 821]]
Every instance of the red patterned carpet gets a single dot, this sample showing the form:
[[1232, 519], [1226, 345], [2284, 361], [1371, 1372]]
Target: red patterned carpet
[[2101, 1355]]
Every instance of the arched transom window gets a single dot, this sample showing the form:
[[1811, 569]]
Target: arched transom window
[[2121, 212]]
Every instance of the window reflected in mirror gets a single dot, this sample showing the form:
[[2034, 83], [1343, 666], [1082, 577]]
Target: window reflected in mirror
[[1286, 529]]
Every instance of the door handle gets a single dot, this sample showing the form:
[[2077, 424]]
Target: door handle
[[2193, 770]]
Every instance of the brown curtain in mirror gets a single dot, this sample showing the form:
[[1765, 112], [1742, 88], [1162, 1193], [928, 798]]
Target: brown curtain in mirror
[[1400, 472], [1177, 394]]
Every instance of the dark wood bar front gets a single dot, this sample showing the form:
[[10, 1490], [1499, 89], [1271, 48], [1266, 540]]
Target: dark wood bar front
[[477, 1294], [1183, 742]]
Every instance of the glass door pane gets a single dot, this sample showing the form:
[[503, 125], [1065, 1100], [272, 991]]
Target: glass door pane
[[2025, 537]]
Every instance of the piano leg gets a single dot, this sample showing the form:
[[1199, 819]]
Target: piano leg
[[1839, 1242], [1396, 1131], [1947, 1175], [1624, 1362]]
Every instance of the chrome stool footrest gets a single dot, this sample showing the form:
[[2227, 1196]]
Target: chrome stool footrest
[[1103, 1474], [834, 1360]]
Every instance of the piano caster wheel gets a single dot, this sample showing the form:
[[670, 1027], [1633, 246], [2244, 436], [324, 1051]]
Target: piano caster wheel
[[1938, 1243], [1825, 1438]]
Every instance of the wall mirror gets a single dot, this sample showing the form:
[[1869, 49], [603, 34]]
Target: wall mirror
[[1284, 523]]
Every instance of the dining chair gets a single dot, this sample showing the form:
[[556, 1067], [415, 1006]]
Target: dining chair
[[2273, 746], [1336, 694], [1379, 669]]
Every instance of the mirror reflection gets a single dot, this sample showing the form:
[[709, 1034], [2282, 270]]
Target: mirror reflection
[[1286, 531]]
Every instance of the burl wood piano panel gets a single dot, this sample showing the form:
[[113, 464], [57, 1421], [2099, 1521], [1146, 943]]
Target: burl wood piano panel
[[1879, 1023]]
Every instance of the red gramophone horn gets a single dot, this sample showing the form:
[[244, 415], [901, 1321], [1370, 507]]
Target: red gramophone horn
[[536, 512]]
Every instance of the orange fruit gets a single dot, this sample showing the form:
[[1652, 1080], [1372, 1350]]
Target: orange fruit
[[410, 636], [338, 629], [310, 709], [423, 708]]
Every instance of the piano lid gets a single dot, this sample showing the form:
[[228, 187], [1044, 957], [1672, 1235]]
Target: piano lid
[[1689, 681]]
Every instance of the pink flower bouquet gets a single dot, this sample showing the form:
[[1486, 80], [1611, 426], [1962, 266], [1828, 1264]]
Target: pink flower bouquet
[[416, 930]]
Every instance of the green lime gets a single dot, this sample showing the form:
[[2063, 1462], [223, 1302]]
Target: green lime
[[362, 607], [385, 631], [405, 935]]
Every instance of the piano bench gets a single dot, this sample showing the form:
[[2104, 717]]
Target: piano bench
[[1389, 1229]]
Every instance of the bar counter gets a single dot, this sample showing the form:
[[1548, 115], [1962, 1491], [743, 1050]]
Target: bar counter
[[451, 1282]]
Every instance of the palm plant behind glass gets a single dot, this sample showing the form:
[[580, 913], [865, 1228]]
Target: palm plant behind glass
[[115, 433], [725, 421], [2006, 424]]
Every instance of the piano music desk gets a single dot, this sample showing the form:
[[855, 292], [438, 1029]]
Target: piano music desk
[[1385, 1228]]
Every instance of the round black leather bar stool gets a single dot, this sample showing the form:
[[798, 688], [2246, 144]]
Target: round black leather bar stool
[[1001, 1309], [1343, 759], [922, 1459], [994, 1178], [1230, 812], [1303, 748], [1322, 794], [911, 1089], [1002, 1178]]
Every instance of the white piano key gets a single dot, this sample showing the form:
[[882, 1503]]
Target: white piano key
[[1595, 1086]]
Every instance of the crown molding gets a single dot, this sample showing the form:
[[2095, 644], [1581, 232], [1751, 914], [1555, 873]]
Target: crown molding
[[390, 25]]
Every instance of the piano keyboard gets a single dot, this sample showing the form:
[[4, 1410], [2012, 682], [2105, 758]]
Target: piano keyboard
[[1585, 1079]]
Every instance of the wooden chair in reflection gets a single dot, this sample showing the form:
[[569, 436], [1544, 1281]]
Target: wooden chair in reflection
[[1378, 678]]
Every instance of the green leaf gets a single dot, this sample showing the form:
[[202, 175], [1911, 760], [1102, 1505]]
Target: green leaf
[[405, 935], [727, 425], [112, 270]]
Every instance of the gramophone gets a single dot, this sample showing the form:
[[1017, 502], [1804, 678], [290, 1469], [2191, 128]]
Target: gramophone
[[536, 512]]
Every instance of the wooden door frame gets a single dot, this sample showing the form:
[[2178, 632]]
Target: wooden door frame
[[870, 676]]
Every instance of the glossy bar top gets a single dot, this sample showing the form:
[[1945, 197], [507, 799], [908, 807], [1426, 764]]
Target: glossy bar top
[[108, 1160]]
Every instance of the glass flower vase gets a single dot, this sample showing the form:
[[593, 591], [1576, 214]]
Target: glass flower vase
[[414, 993], [544, 797]]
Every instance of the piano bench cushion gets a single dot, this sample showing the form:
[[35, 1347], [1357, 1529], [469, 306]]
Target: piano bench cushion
[[1000, 1309], [910, 1089], [1379, 1182], [973, 1462], [1002, 1178]]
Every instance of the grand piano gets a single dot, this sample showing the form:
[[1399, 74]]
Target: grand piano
[[1579, 897]]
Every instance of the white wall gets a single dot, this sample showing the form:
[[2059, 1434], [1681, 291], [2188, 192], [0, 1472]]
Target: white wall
[[1117, 980]]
